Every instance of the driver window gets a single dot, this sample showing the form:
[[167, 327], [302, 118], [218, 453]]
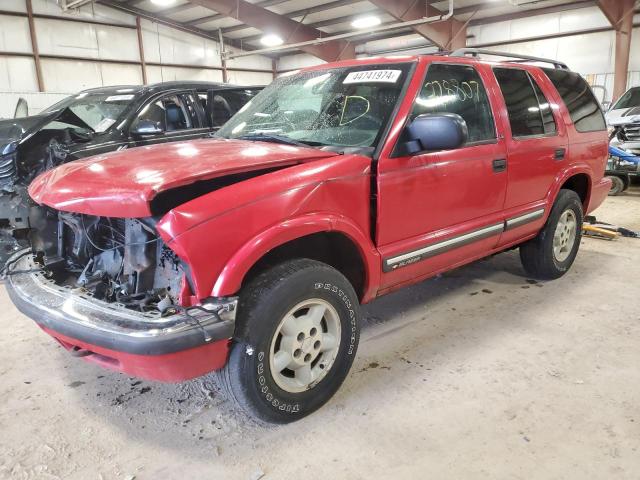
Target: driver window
[[457, 89], [169, 112]]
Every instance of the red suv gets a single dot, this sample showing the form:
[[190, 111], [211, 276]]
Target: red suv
[[251, 252]]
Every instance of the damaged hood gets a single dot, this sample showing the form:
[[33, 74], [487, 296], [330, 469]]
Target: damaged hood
[[623, 116], [16, 130], [122, 184]]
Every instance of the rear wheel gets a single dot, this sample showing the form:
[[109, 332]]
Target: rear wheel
[[296, 338], [552, 252], [617, 185], [627, 182]]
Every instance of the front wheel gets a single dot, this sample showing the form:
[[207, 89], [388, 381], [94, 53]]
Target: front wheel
[[296, 338], [551, 253]]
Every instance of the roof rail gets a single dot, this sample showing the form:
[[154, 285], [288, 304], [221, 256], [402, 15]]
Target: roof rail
[[462, 52]]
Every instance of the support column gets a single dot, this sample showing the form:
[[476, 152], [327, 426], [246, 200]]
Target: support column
[[143, 64], [223, 60], [623, 46], [34, 46], [620, 15]]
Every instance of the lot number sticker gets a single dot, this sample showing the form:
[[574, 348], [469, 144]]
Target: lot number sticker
[[367, 76]]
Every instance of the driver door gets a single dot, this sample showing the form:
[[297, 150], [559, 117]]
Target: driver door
[[437, 209]]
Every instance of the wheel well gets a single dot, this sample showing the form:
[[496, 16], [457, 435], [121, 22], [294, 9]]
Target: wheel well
[[334, 249], [580, 184]]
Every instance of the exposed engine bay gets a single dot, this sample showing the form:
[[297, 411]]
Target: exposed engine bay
[[19, 165], [111, 259]]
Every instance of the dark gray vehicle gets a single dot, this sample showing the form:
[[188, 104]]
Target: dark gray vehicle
[[97, 121]]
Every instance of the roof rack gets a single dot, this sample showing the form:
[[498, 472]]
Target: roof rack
[[462, 52]]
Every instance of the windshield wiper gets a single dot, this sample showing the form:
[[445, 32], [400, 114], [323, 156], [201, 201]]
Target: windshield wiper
[[270, 137]]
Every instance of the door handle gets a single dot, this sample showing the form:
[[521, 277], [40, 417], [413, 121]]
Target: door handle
[[500, 165], [559, 153]]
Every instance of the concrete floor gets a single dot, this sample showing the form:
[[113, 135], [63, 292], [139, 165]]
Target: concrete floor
[[476, 374]]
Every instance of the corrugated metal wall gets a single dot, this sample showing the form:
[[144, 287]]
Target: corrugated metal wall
[[176, 55]]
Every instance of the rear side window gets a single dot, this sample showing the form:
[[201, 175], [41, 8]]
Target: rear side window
[[583, 107], [223, 104], [457, 89], [545, 108], [171, 113], [528, 109]]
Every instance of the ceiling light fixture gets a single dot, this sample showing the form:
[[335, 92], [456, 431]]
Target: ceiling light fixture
[[366, 22], [163, 3], [271, 40]]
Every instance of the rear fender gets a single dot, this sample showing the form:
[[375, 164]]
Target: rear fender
[[565, 175]]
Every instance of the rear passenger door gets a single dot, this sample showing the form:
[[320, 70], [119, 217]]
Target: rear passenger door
[[537, 144], [440, 208]]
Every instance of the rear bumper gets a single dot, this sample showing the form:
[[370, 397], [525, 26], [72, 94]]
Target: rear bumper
[[599, 193], [172, 348]]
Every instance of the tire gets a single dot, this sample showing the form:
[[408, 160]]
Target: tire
[[617, 185], [551, 253], [276, 309], [627, 183]]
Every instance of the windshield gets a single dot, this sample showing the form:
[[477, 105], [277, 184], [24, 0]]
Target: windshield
[[630, 99], [97, 111], [344, 107]]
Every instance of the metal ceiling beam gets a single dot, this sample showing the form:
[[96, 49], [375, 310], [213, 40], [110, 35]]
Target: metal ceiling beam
[[290, 31], [458, 11], [612, 9], [155, 17], [211, 18], [325, 23], [302, 12], [449, 34], [162, 20], [336, 21], [509, 16], [553, 9], [533, 12], [178, 9]]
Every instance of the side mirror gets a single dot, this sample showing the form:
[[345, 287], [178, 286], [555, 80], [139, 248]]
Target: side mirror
[[436, 131], [147, 127]]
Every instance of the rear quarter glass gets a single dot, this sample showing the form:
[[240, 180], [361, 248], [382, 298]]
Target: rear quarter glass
[[584, 109]]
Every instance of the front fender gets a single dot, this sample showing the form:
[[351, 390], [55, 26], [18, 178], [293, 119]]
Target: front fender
[[221, 233], [233, 273]]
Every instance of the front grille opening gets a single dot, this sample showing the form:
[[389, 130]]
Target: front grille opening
[[116, 260]]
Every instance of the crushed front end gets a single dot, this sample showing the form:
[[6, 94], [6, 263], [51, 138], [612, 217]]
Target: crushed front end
[[23, 155], [14, 202], [624, 131], [111, 291]]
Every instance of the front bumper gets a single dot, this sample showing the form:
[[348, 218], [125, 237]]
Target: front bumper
[[170, 348]]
